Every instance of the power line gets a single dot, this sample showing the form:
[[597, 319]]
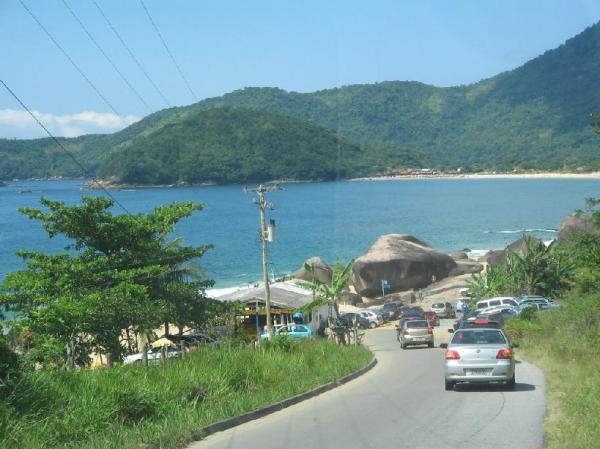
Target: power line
[[110, 61], [93, 86], [116, 33], [167, 49], [61, 146]]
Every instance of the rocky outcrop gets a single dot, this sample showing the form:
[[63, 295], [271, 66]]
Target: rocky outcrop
[[460, 256], [465, 267], [347, 297], [574, 225], [402, 260], [323, 271], [518, 246]]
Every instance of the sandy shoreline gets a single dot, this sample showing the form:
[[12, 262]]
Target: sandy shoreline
[[544, 175]]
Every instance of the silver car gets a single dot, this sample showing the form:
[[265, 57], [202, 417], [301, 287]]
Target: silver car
[[482, 355], [415, 332], [443, 310]]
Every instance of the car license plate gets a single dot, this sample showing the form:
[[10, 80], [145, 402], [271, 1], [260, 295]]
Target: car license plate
[[478, 372]]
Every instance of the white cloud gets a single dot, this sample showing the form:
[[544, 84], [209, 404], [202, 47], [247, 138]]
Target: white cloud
[[19, 124]]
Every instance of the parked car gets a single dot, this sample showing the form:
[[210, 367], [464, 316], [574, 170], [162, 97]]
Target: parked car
[[467, 316], [443, 309], [392, 309], [154, 355], [381, 314], [479, 356], [372, 317], [415, 332], [295, 331], [543, 303], [348, 319], [411, 312], [432, 318], [497, 301]]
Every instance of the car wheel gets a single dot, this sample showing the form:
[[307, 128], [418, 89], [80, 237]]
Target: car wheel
[[430, 345], [449, 385], [512, 383], [403, 346], [372, 325]]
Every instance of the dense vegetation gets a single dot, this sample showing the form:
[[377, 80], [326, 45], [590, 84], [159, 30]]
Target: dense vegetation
[[165, 405], [532, 117], [229, 145]]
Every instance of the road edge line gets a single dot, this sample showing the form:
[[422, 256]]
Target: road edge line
[[269, 409]]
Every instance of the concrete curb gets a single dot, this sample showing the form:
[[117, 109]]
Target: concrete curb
[[264, 411]]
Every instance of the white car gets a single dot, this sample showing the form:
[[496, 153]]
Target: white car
[[497, 301], [372, 317], [154, 356]]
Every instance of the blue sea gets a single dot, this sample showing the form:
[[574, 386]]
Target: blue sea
[[335, 220]]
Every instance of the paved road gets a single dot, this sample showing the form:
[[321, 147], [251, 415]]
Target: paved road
[[401, 403]]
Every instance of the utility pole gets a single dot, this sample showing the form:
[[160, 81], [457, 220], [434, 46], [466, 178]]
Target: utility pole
[[266, 235]]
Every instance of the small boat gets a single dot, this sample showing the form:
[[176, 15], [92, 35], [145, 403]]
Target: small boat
[[25, 191]]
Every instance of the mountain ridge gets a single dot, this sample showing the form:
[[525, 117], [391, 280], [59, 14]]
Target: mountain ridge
[[531, 117]]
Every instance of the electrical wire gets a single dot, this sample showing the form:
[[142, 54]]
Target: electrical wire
[[73, 63], [110, 61], [61, 146], [168, 50], [137, 62]]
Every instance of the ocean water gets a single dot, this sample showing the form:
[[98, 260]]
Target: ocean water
[[335, 220]]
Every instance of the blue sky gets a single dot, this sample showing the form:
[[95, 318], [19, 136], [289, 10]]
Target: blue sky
[[226, 45]]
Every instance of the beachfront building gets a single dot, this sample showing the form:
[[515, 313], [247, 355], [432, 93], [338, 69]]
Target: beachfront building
[[286, 298]]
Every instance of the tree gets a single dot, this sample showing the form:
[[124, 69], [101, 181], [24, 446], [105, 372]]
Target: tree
[[112, 278], [328, 293]]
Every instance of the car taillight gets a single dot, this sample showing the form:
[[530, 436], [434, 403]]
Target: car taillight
[[405, 332], [429, 330], [504, 354], [451, 354]]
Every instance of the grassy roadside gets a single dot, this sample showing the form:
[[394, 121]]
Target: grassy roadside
[[565, 343], [163, 406]]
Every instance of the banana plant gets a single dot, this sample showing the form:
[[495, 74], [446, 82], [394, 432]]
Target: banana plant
[[327, 293]]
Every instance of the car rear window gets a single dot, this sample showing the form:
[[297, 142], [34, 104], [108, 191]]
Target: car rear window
[[438, 305], [496, 302], [478, 337], [417, 324]]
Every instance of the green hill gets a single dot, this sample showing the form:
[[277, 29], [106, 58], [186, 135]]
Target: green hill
[[229, 145], [532, 117]]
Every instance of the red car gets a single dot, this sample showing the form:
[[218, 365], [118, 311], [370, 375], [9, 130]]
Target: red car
[[432, 318]]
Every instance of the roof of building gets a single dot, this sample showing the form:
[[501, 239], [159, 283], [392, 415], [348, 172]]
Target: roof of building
[[283, 294]]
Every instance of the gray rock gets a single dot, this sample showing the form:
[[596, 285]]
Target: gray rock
[[347, 297], [466, 267], [460, 256], [404, 261], [323, 271], [573, 225], [518, 246]]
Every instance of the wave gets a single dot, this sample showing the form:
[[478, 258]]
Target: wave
[[522, 231]]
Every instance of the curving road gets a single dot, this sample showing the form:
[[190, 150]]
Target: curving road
[[401, 403]]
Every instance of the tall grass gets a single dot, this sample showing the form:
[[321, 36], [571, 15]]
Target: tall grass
[[565, 343], [163, 406]]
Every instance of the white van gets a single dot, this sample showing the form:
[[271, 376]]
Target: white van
[[498, 301]]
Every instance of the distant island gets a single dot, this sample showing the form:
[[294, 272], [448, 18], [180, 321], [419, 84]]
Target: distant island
[[534, 118]]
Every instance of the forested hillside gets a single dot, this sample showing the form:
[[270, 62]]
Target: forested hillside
[[535, 116]]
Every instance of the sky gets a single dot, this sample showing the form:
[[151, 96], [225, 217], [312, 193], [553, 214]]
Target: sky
[[221, 46]]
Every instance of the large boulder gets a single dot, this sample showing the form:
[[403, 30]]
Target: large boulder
[[323, 272], [574, 225], [402, 260], [466, 267], [518, 246], [347, 297], [460, 256]]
